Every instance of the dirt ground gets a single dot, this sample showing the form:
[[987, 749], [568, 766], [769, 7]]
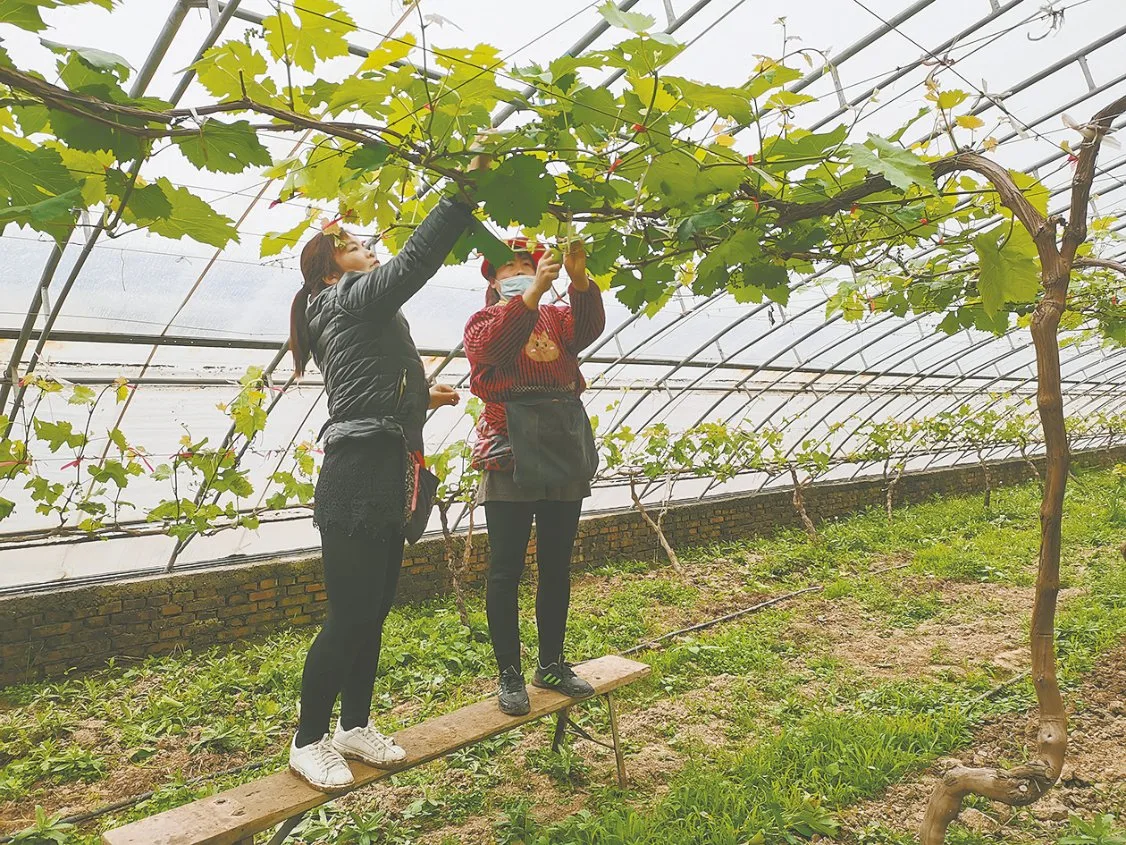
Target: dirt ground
[[1093, 780]]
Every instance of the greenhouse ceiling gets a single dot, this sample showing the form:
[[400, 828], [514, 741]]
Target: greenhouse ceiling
[[179, 323]]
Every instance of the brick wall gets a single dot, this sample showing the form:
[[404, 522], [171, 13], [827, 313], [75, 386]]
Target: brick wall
[[47, 634]]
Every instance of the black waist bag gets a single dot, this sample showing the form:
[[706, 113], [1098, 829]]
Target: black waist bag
[[422, 503], [552, 441]]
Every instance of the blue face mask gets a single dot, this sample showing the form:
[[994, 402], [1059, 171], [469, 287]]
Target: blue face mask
[[515, 286]]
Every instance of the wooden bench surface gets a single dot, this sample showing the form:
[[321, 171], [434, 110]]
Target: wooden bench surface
[[229, 817]]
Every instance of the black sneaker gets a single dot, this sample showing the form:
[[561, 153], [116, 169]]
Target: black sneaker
[[560, 677], [513, 696]]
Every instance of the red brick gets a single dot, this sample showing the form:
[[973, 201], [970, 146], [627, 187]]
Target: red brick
[[171, 610], [50, 630]]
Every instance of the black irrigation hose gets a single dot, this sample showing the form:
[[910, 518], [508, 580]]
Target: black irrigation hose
[[702, 625]]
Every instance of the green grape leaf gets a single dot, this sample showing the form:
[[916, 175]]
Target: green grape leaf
[[26, 13], [274, 243], [950, 99], [193, 218], [224, 147], [224, 71], [902, 168], [146, 202], [90, 170], [390, 51], [6, 507], [800, 148], [368, 157], [58, 434], [30, 176], [633, 21], [783, 100], [518, 190], [83, 395], [94, 58], [594, 107], [478, 237], [1008, 273], [733, 103], [320, 32], [54, 216], [773, 76], [698, 223], [118, 439], [1033, 189], [276, 502]]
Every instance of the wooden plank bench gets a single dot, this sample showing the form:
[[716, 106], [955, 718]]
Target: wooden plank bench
[[234, 816]]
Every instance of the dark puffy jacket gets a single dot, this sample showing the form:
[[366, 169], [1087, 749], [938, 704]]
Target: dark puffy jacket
[[362, 344]]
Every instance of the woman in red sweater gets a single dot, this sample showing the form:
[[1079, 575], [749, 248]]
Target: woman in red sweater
[[536, 449]]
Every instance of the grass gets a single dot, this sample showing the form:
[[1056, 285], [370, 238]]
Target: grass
[[771, 729]]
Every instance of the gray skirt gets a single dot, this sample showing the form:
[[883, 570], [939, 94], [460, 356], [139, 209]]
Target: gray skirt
[[499, 487]]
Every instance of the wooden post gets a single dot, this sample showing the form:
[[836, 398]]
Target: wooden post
[[560, 730], [617, 743]]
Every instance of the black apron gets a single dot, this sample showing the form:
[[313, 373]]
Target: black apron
[[552, 441]]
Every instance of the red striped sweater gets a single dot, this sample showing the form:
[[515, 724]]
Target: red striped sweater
[[516, 352]]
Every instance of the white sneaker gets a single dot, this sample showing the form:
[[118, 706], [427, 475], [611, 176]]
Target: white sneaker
[[320, 766], [367, 745]]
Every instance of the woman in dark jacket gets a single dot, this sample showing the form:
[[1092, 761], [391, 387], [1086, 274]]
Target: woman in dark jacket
[[347, 317]]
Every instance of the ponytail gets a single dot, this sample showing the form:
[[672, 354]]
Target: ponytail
[[299, 343], [318, 262]]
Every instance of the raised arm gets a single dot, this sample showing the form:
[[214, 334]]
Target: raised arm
[[585, 320], [387, 288]]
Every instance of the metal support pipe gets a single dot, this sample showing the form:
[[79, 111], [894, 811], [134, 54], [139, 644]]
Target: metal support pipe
[[155, 57], [217, 27], [160, 47], [353, 49], [148, 68], [863, 43], [892, 78]]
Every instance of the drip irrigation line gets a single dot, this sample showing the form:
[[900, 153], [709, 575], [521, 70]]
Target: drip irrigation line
[[650, 644]]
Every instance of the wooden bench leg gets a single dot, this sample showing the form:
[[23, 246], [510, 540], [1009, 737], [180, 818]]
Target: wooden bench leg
[[617, 743], [285, 829], [561, 721]]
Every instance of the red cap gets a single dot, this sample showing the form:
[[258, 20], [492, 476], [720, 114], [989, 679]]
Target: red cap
[[517, 245]]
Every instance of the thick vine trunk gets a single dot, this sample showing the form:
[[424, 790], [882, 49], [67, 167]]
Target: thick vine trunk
[[656, 526], [891, 489], [1032, 468], [799, 506], [451, 560], [1023, 785], [988, 479]]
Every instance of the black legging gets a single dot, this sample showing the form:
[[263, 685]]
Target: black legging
[[361, 575], [510, 526]]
